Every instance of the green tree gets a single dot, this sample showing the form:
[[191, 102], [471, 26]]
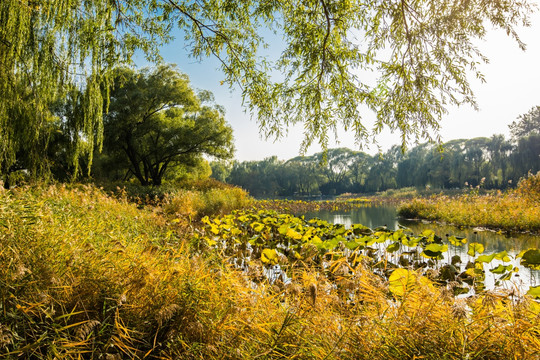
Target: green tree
[[155, 122], [49, 49], [527, 124], [221, 170], [422, 51]]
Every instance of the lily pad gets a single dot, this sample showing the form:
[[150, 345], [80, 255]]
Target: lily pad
[[531, 258], [401, 281], [475, 248]]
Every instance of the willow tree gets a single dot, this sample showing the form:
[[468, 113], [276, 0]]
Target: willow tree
[[51, 50], [404, 60]]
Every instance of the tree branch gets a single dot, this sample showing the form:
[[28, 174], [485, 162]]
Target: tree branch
[[325, 41]]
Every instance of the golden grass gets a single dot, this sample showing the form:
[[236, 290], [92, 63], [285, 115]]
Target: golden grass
[[87, 276], [510, 212], [515, 210]]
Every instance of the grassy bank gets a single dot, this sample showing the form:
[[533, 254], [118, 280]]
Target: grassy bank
[[302, 206], [86, 275], [515, 210]]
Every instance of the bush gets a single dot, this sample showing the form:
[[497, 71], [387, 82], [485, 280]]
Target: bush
[[529, 187], [194, 204]]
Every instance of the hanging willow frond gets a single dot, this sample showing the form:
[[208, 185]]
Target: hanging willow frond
[[50, 49]]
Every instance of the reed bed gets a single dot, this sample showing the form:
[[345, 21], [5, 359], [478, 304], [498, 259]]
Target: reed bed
[[88, 276], [303, 206], [515, 210]]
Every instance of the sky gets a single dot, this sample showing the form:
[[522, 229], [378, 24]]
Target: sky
[[512, 88]]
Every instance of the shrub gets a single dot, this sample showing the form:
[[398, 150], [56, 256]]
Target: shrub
[[194, 204], [529, 187]]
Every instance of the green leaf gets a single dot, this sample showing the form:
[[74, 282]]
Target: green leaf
[[475, 248], [427, 233], [531, 258], [486, 258], [410, 241], [457, 241], [393, 247], [269, 256], [503, 256], [359, 229], [534, 291], [501, 269], [434, 251], [258, 227], [293, 234], [436, 247]]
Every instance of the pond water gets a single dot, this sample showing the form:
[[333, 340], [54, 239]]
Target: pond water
[[386, 215]]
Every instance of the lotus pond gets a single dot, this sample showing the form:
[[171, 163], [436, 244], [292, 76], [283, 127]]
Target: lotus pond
[[384, 215], [275, 247]]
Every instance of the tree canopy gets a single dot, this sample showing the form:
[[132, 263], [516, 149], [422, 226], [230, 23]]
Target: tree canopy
[[527, 124], [156, 121], [50, 49], [493, 163], [421, 51]]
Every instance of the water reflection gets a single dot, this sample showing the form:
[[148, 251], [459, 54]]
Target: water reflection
[[386, 215]]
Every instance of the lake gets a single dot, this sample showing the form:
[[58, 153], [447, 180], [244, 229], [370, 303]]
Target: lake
[[380, 215]]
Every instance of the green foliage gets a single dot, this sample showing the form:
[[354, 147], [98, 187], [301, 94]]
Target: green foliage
[[156, 122], [473, 164], [421, 53], [531, 258], [51, 51], [527, 124], [534, 291]]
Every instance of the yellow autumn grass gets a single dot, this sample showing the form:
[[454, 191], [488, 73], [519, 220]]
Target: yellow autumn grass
[[517, 210], [88, 276]]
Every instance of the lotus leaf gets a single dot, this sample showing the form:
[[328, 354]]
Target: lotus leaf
[[359, 229], [457, 241], [501, 269], [503, 255], [257, 226], [269, 256], [531, 258], [401, 281], [534, 291], [434, 251], [293, 234], [475, 248], [456, 259], [486, 258]]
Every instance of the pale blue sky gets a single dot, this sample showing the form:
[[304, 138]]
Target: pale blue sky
[[512, 88]]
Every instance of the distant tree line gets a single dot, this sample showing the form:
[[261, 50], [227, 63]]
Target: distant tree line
[[500, 162]]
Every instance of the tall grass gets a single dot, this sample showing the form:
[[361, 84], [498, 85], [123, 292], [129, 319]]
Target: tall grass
[[89, 276], [516, 210], [194, 204]]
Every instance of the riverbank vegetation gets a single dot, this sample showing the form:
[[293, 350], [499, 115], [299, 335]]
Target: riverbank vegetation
[[428, 168], [496, 162], [89, 275], [514, 210]]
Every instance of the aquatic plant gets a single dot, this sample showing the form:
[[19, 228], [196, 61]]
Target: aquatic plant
[[88, 276]]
